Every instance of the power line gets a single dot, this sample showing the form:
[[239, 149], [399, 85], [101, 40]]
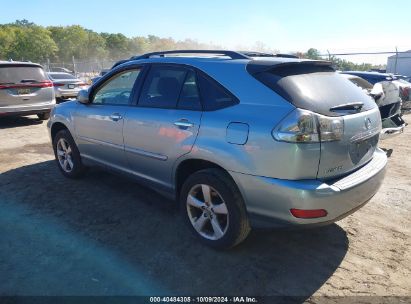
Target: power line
[[367, 53]]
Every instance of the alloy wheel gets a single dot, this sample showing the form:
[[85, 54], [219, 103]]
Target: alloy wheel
[[207, 212]]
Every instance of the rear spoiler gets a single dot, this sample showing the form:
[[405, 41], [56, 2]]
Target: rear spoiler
[[258, 66]]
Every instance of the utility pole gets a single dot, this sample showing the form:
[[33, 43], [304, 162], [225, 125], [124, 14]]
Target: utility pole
[[74, 66], [396, 60]]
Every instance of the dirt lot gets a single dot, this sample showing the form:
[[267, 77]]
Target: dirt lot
[[106, 235]]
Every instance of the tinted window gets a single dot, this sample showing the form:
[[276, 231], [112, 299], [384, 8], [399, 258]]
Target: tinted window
[[214, 96], [162, 87], [62, 76], [312, 86], [117, 90], [362, 83], [190, 97], [16, 74]]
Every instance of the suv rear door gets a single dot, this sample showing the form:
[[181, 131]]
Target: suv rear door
[[315, 86], [164, 124], [24, 84]]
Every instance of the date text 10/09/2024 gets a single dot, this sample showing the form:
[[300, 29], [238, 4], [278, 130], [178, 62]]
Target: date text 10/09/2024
[[203, 300]]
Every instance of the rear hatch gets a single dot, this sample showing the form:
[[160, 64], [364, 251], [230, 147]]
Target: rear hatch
[[316, 87], [22, 84]]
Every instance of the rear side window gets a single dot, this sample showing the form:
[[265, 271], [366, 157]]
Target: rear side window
[[162, 87], [62, 76], [311, 86], [213, 95], [19, 74]]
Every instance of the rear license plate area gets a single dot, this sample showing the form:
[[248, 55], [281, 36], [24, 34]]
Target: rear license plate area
[[363, 148], [71, 86], [23, 91]]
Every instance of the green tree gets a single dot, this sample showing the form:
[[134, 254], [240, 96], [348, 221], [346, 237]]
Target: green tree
[[71, 41], [312, 54], [117, 45], [31, 43]]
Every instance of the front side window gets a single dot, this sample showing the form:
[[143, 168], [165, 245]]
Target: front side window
[[117, 90], [162, 87]]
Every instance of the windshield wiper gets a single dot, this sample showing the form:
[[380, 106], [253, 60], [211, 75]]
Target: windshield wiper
[[28, 80], [3, 83], [353, 106]]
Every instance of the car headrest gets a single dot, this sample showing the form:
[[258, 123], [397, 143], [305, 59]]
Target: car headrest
[[167, 86]]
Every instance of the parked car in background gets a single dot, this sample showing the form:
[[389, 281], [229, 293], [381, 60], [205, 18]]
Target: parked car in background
[[372, 77], [387, 96], [238, 140], [66, 86], [60, 70], [400, 81], [25, 89]]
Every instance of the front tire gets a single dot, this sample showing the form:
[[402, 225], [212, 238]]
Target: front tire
[[213, 208], [67, 155]]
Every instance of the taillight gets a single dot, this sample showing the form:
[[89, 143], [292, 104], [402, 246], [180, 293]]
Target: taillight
[[58, 84], [308, 213], [405, 93], [302, 126], [42, 84]]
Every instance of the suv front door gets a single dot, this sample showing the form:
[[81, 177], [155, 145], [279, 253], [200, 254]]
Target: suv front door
[[164, 124], [99, 124]]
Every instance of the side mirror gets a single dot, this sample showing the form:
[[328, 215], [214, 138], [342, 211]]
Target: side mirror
[[83, 97]]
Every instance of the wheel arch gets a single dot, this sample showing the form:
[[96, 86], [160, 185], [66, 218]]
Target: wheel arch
[[188, 167], [57, 127]]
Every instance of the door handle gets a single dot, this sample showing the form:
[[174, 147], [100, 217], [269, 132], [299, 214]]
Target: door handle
[[183, 124], [116, 117]]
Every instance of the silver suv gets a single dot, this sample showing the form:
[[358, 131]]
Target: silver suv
[[25, 89], [238, 140]]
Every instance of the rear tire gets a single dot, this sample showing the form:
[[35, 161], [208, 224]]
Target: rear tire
[[43, 116], [214, 209], [67, 155]]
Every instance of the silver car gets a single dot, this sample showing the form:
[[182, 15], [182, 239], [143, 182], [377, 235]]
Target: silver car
[[25, 90], [238, 141], [66, 86]]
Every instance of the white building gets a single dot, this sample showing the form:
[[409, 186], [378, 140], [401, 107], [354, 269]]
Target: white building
[[401, 64]]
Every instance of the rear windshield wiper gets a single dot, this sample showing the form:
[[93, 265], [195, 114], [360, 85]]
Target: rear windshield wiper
[[353, 106], [28, 80]]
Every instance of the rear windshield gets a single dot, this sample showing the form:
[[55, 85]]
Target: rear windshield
[[62, 76], [313, 87], [18, 74]]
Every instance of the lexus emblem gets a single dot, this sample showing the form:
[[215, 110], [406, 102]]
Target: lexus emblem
[[368, 123]]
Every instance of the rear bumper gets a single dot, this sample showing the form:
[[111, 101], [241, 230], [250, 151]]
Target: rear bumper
[[269, 200], [69, 93], [27, 109]]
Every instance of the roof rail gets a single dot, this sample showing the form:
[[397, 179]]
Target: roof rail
[[231, 54], [260, 54]]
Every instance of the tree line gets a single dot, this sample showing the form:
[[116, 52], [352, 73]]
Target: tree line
[[24, 40]]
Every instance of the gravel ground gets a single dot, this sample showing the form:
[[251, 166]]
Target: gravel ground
[[106, 235]]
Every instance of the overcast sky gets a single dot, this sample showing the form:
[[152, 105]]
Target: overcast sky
[[291, 25]]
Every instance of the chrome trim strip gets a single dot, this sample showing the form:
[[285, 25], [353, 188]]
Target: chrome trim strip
[[100, 142], [146, 153]]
